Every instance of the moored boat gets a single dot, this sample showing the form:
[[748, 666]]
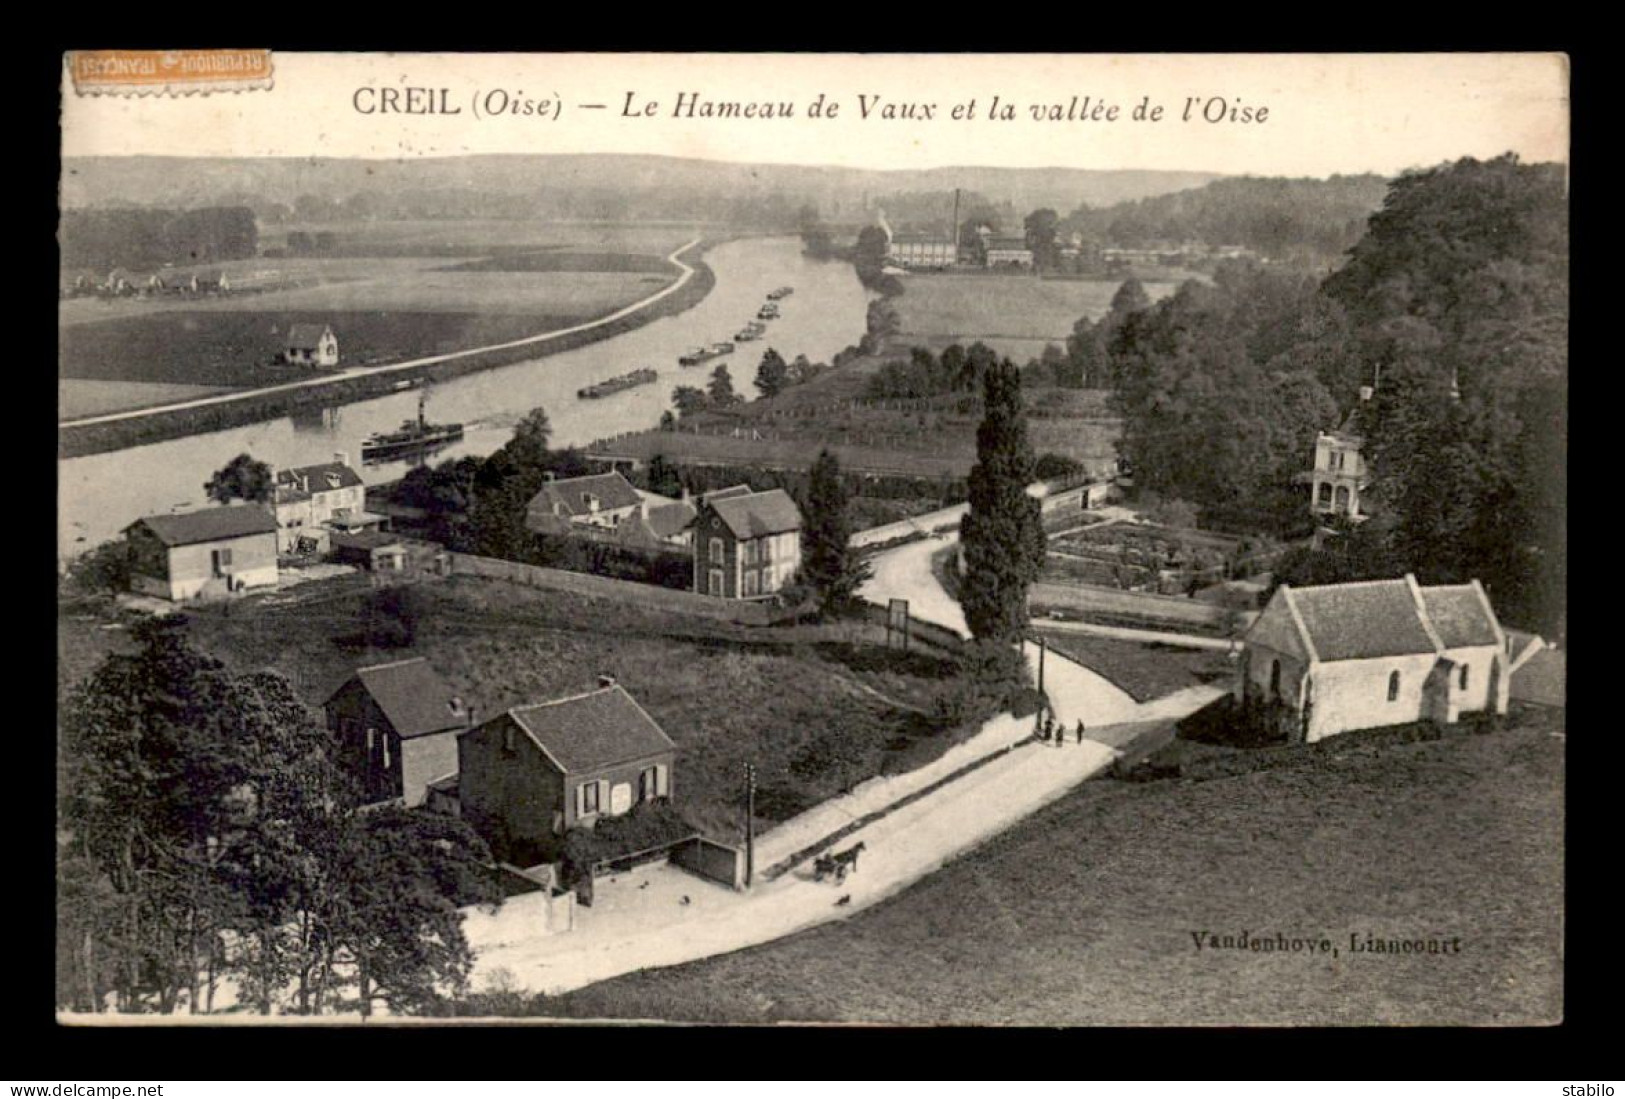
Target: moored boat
[[617, 384]]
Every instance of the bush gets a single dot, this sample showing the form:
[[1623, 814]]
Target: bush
[[101, 571]]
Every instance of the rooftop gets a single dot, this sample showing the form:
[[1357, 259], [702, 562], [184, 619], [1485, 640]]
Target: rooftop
[[591, 731], [1376, 618], [610, 490], [413, 697], [209, 524], [759, 514], [306, 336]]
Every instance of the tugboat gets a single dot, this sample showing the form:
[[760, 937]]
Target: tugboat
[[616, 384], [704, 354], [414, 436], [781, 292]]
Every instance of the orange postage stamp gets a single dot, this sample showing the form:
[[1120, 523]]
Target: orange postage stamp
[[168, 72]]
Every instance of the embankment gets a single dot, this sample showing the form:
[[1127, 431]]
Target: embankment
[[78, 440]]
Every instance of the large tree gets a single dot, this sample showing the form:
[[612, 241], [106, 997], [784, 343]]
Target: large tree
[[242, 478], [719, 391], [1001, 534], [772, 374], [829, 563]]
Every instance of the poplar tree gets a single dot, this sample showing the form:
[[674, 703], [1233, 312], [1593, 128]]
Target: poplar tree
[[829, 563], [1001, 535]]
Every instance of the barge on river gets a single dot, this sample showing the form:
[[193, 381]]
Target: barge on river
[[704, 354], [616, 384]]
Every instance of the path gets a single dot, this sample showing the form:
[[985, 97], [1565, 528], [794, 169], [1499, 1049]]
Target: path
[[660, 916], [369, 371]]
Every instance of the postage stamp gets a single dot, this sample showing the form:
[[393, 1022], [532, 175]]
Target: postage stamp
[[168, 72]]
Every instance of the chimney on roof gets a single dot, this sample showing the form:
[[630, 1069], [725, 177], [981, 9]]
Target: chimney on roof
[[548, 476], [605, 681], [341, 457]]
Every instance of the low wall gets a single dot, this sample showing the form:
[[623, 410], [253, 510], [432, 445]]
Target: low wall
[[625, 591], [713, 861]]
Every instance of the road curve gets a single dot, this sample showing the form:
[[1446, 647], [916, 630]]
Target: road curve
[[370, 371]]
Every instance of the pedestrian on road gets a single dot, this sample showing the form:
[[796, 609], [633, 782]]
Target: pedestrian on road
[[1038, 728], [1080, 730]]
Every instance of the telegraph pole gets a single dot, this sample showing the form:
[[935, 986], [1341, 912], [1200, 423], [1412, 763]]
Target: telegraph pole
[[1043, 647], [750, 823]]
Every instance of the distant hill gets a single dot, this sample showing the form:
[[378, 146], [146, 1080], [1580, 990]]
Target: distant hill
[[573, 185]]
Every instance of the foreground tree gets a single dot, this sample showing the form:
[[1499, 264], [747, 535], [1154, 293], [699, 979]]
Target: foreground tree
[[829, 563], [1001, 535], [242, 478]]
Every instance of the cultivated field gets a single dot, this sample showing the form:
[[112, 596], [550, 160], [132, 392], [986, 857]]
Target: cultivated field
[[391, 291], [1016, 315], [1084, 913], [83, 397]]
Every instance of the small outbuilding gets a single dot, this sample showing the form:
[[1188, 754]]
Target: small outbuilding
[[201, 554], [311, 345], [396, 726]]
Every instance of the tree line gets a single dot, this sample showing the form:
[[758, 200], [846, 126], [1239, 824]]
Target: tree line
[[142, 238]]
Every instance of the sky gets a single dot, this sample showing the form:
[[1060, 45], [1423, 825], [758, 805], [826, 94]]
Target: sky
[[1323, 114]]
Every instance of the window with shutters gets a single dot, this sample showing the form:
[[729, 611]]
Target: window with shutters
[[589, 798], [1464, 677], [1393, 686]]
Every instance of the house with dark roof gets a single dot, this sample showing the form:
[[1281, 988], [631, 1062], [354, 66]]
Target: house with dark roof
[[596, 503], [746, 546], [1340, 657], [531, 774], [395, 726], [202, 554], [311, 345]]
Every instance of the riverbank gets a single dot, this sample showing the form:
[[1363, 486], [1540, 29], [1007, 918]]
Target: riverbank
[[78, 440]]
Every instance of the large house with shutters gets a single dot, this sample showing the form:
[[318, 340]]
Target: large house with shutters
[[395, 726], [529, 775], [747, 545], [202, 554], [1339, 657], [310, 499]]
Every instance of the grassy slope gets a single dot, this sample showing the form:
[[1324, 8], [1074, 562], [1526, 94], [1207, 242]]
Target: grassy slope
[[783, 700], [1146, 670], [1083, 914]]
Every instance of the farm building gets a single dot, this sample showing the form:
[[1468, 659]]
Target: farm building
[[535, 772], [1375, 652], [396, 725], [201, 554], [383, 552], [311, 345], [746, 545]]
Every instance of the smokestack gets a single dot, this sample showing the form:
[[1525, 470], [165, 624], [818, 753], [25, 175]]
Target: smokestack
[[953, 230], [880, 220]]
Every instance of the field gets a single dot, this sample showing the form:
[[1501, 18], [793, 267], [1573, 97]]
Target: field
[[1146, 670], [1015, 315], [391, 291], [1084, 914], [85, 397], [816, 715]]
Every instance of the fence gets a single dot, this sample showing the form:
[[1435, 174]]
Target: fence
[[621, 591], [1084, 598], [921, 634]]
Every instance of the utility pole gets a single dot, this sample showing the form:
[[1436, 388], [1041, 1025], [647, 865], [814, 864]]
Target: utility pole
[[1043, 647], [750, 823]]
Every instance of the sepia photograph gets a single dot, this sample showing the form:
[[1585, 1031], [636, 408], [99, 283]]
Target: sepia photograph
[[904, 539]]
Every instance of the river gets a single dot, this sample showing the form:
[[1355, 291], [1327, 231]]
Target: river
[[100, 494]]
